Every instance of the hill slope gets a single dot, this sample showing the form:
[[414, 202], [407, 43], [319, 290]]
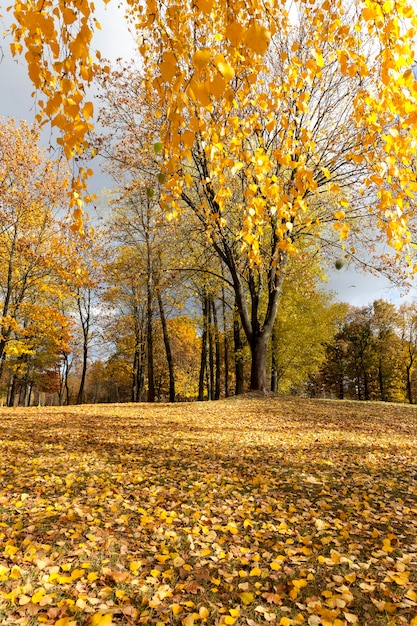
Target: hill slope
[[244, 511]]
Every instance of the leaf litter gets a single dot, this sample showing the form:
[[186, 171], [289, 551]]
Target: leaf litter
[[244, 511]]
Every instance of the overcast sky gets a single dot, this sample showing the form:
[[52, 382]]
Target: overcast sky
[[114, 42]]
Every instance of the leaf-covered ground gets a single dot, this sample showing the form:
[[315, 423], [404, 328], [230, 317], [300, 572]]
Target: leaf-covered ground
[[244, 511]]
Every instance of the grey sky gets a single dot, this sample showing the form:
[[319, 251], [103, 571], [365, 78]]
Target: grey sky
[[114, 41]]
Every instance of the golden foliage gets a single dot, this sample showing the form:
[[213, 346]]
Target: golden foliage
[[205, 65]]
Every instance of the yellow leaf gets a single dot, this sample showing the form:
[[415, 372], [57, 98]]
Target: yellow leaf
[[285, 621], [350, 577], [319, 57], [168, 67], [189, 620], [77, 573], [247, 597], [205, 6], [299, 583], [16, 572], [225, 69], [101, 619], [229, 620], [38, 596], [92, 576], [202, 57], [257, 38], [411, 595], [176, 609], [255, 571], [88, 110]]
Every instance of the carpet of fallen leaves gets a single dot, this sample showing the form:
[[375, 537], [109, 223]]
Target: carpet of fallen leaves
[[245, 511]]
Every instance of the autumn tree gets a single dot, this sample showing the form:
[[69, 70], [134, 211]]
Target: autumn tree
[[307, 320], [368, 355], [34, 265], [408, 333], [264, 150], [265, 160]]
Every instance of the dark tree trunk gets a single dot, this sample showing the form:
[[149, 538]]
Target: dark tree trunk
[[80, 396], [225, 346], [63, 381], [217, 381], [274, 360], [238, 347], [84, 309], [259, 344], [149, 342], [366, 384], [341, 388], [204, 338], [168, 351], [12, 391], [210, 390], [409, 386], [138, 373], [381, 381]]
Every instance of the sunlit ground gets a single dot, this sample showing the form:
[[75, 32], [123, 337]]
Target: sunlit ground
[[243, 511]]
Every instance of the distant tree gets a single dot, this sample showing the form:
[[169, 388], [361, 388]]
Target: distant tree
[[408, 333]]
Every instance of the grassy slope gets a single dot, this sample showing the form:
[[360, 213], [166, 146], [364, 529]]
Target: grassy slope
[[243, 511]]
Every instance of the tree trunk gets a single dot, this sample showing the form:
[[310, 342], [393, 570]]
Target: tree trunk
[[217, 381], [203, 361], [168, 351], [12, 391], [84, 309], [381, 380], [274, 360], [238, 347], [409, 387], [210, 351], [258, 347], [225, 347], [149, 342], [80, 396], [341, 388]]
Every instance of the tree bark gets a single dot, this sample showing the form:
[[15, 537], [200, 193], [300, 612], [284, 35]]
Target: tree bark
[[225, 346], [258, 380], [203, 360], [217, 382], [149, 312], [168, 350], [84, 309], [409, 387], [238, 347], [274, 360]]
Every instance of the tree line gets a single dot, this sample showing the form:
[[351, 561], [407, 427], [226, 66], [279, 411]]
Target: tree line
[[273, 133], [141, 308]]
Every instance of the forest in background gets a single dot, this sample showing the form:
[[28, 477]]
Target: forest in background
[[140, 309], [250, 149]]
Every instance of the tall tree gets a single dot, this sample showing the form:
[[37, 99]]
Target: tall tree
[[34, 264], [408, 330], [251, 146]]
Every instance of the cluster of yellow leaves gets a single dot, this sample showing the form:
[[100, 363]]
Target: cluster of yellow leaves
[[241, 512], [205, 64]]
